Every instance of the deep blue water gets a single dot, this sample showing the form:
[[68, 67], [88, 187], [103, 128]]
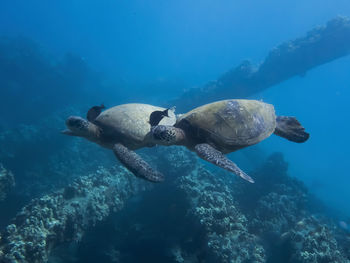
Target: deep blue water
[[151, 52]]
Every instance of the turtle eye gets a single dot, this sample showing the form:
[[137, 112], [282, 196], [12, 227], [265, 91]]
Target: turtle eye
[[74, 122]]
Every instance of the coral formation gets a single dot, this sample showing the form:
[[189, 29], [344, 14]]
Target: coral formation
[[314, 242], [7, 182], [226, 219], [252, 223], [64, 215], [277, 212], [212, 203], [275, 201]]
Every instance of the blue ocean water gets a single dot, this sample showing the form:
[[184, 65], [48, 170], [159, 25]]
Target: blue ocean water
[[60, 58]]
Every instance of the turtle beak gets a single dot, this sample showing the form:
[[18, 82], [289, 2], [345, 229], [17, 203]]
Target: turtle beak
[[67, 132]]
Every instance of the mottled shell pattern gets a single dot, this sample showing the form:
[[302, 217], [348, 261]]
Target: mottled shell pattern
[[233, 123], [129, 123]]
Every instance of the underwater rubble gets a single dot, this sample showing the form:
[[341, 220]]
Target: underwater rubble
[[7, 182], [292, 58], [63, 216]]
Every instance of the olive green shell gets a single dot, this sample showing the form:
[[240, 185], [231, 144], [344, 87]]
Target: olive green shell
[[231, 124], [129, 124]]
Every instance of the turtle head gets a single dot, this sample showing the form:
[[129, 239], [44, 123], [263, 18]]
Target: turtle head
[[167, 135], [77, 126]]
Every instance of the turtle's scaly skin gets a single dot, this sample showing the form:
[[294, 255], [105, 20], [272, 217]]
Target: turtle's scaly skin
[[229, 124], [128, 124]]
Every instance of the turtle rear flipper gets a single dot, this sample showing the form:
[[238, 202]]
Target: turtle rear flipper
[[290, 129], [210, 154], [135, 164]]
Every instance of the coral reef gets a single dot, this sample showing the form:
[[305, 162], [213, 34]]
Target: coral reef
[[7, 182], [313, 242], [277, 212], [201, 216], [275, 201], [212, 203], [64, 215], [258, 222], [321, 45]]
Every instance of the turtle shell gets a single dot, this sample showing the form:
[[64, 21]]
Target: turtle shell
[[230, 124], [129, 124]]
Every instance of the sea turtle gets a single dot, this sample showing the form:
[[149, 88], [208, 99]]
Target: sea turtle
[[123, 128], [226, 126]]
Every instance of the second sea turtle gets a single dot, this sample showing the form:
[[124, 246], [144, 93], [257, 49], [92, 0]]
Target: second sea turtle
[[218, 128]]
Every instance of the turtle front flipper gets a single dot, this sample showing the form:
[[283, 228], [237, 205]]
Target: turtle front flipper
[[135, 164], [210, 154]]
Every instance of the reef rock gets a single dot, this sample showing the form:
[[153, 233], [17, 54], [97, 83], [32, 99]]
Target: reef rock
[[212, 203], [276, 201], [7, 182], [65, 215], [314, 242], [277, 209]]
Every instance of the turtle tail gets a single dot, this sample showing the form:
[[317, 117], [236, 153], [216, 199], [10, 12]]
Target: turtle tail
[[290, 129]]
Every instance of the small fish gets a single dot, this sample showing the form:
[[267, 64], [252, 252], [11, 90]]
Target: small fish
[[93, 113], [157, 116]]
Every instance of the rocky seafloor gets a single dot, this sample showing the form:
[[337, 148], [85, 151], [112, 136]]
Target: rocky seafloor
[[105, 214]]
